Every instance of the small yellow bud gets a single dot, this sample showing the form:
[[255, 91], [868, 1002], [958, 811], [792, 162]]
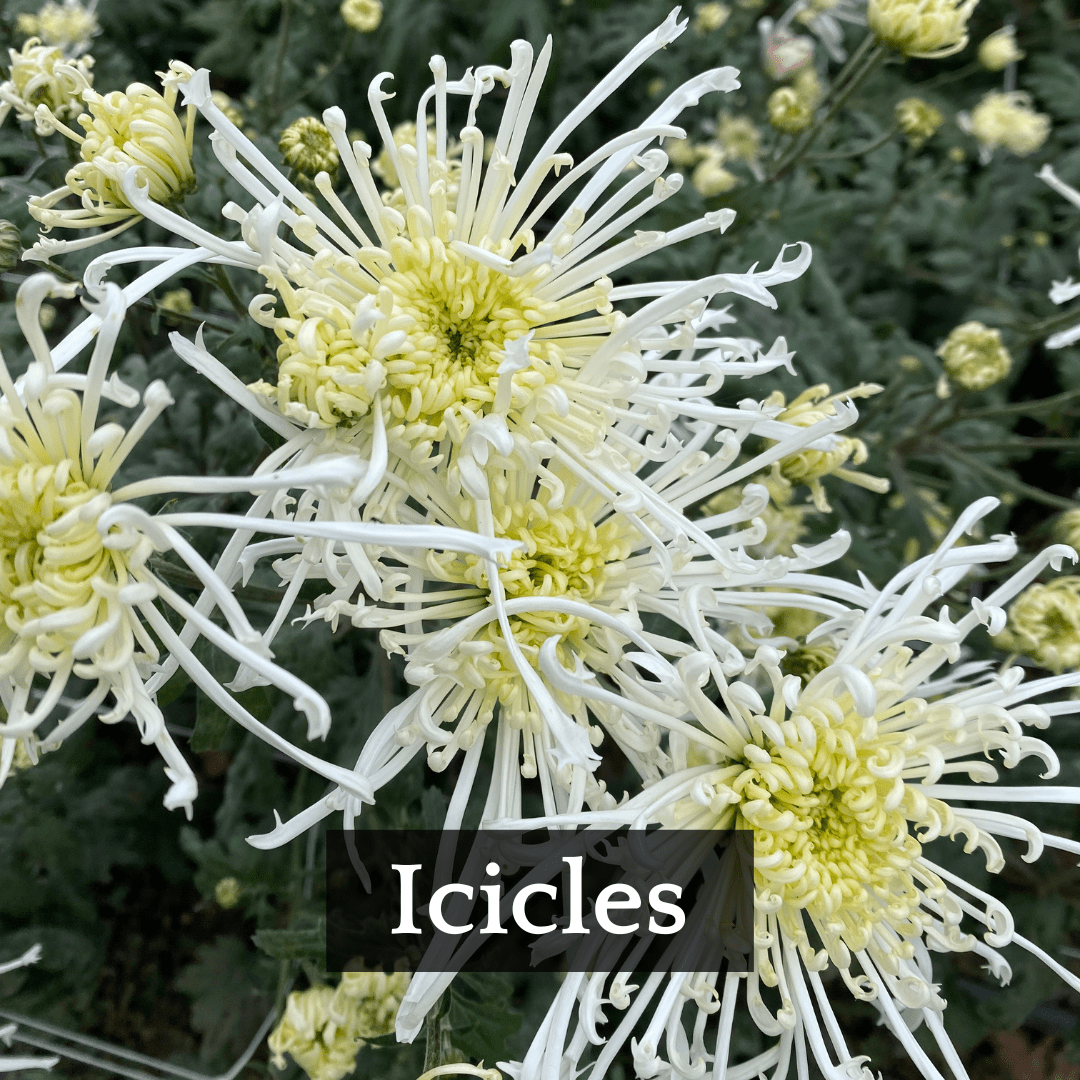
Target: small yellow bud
[[1000, 50], [177, 302], [710, 178], [1008, 240], [655, 87], [788, 112], [956, 154], [917, 119], [1066, 529], [227, 892], [925, 28], [362, 15], [1007, 119], [1044, 623], [709, 17], [909, 364], [46, 316], [974, 357], [1040, 238], [308, 148]]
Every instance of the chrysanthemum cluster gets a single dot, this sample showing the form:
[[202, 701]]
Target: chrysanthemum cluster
[[500, 443]]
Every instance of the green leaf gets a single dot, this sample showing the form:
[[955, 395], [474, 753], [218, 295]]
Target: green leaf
[[481, 1019], [304, 944]]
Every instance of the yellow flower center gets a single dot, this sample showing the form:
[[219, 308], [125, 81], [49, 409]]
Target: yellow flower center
[[54, 573], [432, 346]]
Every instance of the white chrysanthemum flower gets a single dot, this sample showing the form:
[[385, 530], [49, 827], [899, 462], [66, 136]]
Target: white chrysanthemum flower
[[43, 75], [78, 595], [13, 1062], [523, 643], [1063, 291], [135, 131], [68, 25], [844, 778], [408, 314]]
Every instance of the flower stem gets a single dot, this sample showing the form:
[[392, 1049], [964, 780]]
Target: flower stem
[[863, 61]]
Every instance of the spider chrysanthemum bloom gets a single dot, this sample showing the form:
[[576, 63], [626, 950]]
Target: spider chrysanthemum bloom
[[1066, 290], [136, 130], [68, 25], [43, 75], [974, 357], [931, 29], [400, 308], [1007, 120], [79, 599], [516, 649], [918, 120], [999, 50], [845, 777]]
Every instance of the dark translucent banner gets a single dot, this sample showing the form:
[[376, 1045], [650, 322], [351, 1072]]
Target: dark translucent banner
[[581, 900]]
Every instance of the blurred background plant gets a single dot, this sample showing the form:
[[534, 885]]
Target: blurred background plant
[[909, 163]]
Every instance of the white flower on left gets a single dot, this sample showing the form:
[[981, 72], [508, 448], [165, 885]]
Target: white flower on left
[[78, 598], [12, 1063]]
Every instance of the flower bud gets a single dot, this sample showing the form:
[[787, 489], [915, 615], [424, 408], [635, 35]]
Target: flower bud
[[784, 54], [308, 148], [1000, 50], [1008, 120], [926, 28], [176, 302], [362, 15], [917, 119], [788, 112], [1066, 529], [708, 17], [974, 357], [1044, 623], [227, 892]]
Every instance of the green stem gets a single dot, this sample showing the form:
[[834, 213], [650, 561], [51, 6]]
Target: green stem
[[1007, 480], [1021, 444], [873, 57], [1047, 326], [433, 1040], [226, 286], [279, 59], [1024, 408], [949, 77], [868, 148]]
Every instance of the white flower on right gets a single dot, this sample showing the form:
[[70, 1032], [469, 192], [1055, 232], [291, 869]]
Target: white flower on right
[[1063, 291], [844, 777]]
